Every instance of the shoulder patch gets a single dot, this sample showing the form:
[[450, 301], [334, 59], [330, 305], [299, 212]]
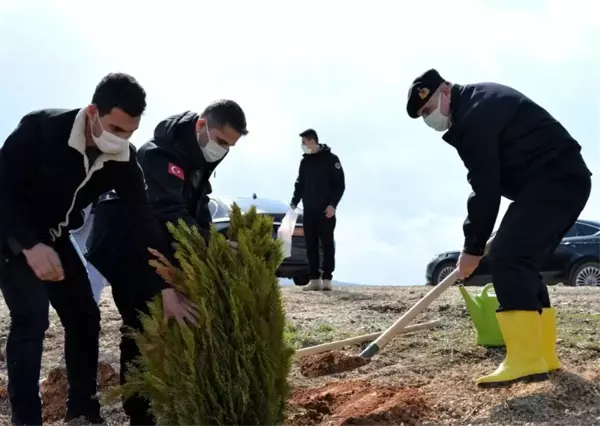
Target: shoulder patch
[[176, 171], [338, 165]]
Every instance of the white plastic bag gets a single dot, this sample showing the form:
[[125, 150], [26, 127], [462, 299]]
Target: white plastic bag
[[286, 231], [79, 238]]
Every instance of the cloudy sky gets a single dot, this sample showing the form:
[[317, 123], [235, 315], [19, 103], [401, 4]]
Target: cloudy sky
[[342, 68]]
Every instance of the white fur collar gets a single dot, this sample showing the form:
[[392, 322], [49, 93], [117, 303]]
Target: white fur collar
[[77, 139]]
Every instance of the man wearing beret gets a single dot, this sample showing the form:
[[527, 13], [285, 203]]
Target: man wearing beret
[[514, 148]]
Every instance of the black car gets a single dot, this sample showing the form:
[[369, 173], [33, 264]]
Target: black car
[[294, 267], [576, 261]]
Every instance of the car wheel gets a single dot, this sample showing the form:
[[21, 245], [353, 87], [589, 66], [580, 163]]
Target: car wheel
[[442, 271], [586, 274], [301, 280]]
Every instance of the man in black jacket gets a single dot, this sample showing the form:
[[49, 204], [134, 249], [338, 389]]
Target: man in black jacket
[[320, 186], [177, 163], [514, 148], [54, 164]]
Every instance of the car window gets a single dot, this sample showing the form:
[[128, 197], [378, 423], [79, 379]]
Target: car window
[[222, 212], [213, 207], [262, 204], [585, 230], [571, 232]]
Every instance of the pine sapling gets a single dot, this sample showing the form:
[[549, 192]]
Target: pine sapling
[[232, 368]]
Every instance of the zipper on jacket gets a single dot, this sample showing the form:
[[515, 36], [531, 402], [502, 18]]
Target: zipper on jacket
[[99, 164]]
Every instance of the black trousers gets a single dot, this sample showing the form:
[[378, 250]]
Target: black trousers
[[317, 228], [126, 269], [113, 251], [131, 298], [531, 230], [27, 299]]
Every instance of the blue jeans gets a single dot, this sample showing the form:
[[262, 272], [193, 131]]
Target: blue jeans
[[28, 301]]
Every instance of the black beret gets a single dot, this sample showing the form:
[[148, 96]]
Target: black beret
[[421, 90]]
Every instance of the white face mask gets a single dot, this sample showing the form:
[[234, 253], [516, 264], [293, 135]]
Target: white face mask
[[212, 150], [306, 149], [109, 143], [436, 120]]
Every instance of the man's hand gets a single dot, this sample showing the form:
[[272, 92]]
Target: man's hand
[[232, 244], [467, 263], [329, 212], [176, 305], [45, 262]]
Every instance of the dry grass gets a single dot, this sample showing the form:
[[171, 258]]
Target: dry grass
[[439, 364]]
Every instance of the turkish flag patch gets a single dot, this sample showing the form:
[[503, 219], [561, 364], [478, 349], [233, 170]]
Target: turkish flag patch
[[176, 171]]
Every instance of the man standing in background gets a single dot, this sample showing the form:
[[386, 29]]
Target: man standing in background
[[320, 185]]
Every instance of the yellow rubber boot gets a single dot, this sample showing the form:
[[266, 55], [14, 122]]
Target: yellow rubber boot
[[549, 338], [522, 332]]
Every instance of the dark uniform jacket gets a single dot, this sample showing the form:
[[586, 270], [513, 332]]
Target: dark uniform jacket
[[320, 181], [177, 178], [46, 181], [504, 139], [177, 172]]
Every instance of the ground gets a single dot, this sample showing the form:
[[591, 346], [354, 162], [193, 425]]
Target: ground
[[423, 378]]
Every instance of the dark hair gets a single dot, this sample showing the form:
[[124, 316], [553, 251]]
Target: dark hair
[[225, 112], [119, 90], [310, 134]]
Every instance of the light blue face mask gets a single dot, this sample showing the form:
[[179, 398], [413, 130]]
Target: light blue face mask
[[107, 142], [212, 151], [436, 120]]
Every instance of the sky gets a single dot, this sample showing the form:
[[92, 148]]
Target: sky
[[342, 68]]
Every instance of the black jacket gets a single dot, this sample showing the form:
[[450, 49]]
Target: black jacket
[[46, 181], [320, 182], [177, 172], [504, 139], [177, 178]]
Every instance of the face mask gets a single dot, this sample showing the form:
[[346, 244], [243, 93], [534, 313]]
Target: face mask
[[109, 143], [212, 150], [306, 149], [436, 120]]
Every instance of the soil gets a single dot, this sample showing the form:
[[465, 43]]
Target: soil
[[357, 402], [54, 389], [424, 378], [330, 363]]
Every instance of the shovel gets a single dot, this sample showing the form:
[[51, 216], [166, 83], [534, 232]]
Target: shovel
[[385, 337], [326, 347]]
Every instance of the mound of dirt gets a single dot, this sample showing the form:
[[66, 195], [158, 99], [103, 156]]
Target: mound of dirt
[[54, 389], [3, 390], [54, 394], [107, 376], [330, 363], [354, 402]]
